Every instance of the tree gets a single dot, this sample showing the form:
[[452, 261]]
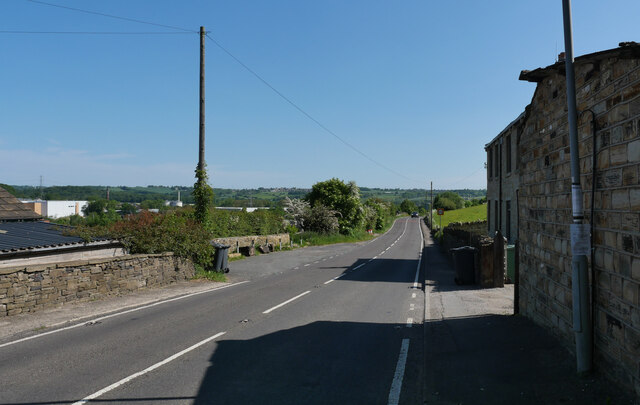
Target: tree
[[128, 209], [295, 210], [9, 189], [448, 201], [340, 197], [152, 204], [383, 211], [101, 212], [408, 206], [321, 219]]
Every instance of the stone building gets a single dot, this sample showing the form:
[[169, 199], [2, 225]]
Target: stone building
[[608, 101], [503, 178]]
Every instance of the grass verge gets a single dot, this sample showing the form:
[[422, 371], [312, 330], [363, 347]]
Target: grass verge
[[319, 239], [202, 274]]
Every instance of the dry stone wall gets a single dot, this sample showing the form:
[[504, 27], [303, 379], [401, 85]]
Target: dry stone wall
[[33, 288], [236, 243], [608, 89]]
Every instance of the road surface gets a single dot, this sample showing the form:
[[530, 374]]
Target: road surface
[[342, 327]]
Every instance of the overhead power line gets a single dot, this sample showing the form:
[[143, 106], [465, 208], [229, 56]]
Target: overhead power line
[[94, 32], [309, 116], [266, 83], [111, 16]]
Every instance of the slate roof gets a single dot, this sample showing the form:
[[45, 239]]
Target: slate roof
[[22, 237], [11, 209]]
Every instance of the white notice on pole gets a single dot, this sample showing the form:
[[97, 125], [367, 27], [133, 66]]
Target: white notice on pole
[[580, 239]]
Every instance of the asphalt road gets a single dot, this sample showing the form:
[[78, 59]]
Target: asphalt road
[[342, 326]]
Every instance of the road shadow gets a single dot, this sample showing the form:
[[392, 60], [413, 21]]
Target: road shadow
[[318, 363], [505, 359], [380, 270]]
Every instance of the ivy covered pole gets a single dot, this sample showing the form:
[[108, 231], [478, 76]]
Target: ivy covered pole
[[202, 192]]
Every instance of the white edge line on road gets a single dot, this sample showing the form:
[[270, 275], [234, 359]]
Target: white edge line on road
[[146, 370], [396, 385], [117, 314], [286, 302]]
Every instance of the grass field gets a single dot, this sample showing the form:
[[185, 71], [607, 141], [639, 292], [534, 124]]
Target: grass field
[[477, 213]]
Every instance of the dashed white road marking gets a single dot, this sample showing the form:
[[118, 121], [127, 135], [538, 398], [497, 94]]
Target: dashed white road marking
[[412, 307], [332, 280], [396, 385], [146, 370], [307, 265], [413, 295], [286, 302], [409, 322], [357, 267]]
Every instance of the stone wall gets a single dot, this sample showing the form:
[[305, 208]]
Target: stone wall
[[458, 234], [238, 242], [33, 288], [610, 88]]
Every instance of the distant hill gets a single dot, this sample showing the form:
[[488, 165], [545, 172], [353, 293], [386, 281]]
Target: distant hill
[[260, 197]]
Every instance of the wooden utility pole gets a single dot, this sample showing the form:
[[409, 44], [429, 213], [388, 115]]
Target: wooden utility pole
[[201, 148], [431, 220]]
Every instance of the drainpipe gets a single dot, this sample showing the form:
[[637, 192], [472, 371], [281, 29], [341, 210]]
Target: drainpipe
[[579, 232], [500, 186]]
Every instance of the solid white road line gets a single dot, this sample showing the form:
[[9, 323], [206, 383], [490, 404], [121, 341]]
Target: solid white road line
[[286, 302], [146, 370], [118, 314], [396, 385]]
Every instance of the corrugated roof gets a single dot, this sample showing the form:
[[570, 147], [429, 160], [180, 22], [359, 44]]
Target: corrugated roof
[[11, 209], [18, 236]]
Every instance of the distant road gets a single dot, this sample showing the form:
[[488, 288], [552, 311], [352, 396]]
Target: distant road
[[345, 327]]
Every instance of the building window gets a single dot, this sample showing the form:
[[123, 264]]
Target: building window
[[508, 215], [508, 154], [490, 160], [489, 217]]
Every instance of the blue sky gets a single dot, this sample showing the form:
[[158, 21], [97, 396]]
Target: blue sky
[[417, 86]]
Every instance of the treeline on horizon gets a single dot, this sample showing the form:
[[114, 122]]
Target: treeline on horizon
[[223, 197]]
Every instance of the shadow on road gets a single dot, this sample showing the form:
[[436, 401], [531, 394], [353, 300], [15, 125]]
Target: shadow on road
[[380, 270], [319, 363]]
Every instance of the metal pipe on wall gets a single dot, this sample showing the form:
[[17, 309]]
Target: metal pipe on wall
[[579, 238]]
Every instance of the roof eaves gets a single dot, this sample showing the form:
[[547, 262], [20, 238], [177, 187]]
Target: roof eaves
[[625, 50]]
